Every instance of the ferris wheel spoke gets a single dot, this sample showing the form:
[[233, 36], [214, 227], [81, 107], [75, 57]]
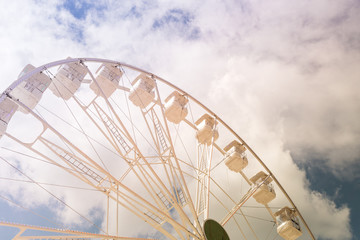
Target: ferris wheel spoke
[[161, 141], [180, 196], [228, 210], [94, 175], [113, 129], [234, 219], [204, 160], [144, 176], [270, 212], [53, 195], [176, 168], [247, 222], [103, 184], [243, 200], [150, 173], [60, 233], [214, 195]]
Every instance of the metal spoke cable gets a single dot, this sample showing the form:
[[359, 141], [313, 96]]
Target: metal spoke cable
[[59, 199], [140, 131], [151, 117], [82, 130], [129, 118], [91, 144], [271, 230], [132, 124], [127, 102], [93, 139], [196, 169], [54, 77], [191, 113], [39, 114], [258, 218], [100, 88], [260, 207], [37, 158], [276, 236], [218, 164], [50, 184], [128, 79], [42, 160], [182, 143], [108, 107]]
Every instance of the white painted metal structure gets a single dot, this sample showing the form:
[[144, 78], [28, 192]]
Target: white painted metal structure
[[146, 146]]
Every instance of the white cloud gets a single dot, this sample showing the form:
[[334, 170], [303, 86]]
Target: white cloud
[[283, 74]]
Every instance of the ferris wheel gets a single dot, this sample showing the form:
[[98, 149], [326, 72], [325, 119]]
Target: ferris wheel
[[160, 163]]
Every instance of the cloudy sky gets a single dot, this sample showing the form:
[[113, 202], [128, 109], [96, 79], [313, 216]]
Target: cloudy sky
[[284, 74]]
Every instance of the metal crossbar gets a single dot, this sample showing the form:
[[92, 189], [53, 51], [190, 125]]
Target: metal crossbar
[[113, 129], [154, 217], [69, 157], [159, 132]]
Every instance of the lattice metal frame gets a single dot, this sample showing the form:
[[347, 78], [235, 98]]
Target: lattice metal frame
[[171, 201]]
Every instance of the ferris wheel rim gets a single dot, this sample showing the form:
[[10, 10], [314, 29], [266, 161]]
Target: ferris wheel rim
[[43, 67]]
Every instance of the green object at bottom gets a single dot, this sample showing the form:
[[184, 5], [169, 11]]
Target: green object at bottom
[[214, 231]]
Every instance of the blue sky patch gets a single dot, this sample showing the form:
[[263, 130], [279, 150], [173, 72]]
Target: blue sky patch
[[79, 9], [179, 22], [176, 16], [134, 12], [77, 32], [74, 30], [343, 192]]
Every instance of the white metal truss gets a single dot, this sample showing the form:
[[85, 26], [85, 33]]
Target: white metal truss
[[172, 195], [67, 234]]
